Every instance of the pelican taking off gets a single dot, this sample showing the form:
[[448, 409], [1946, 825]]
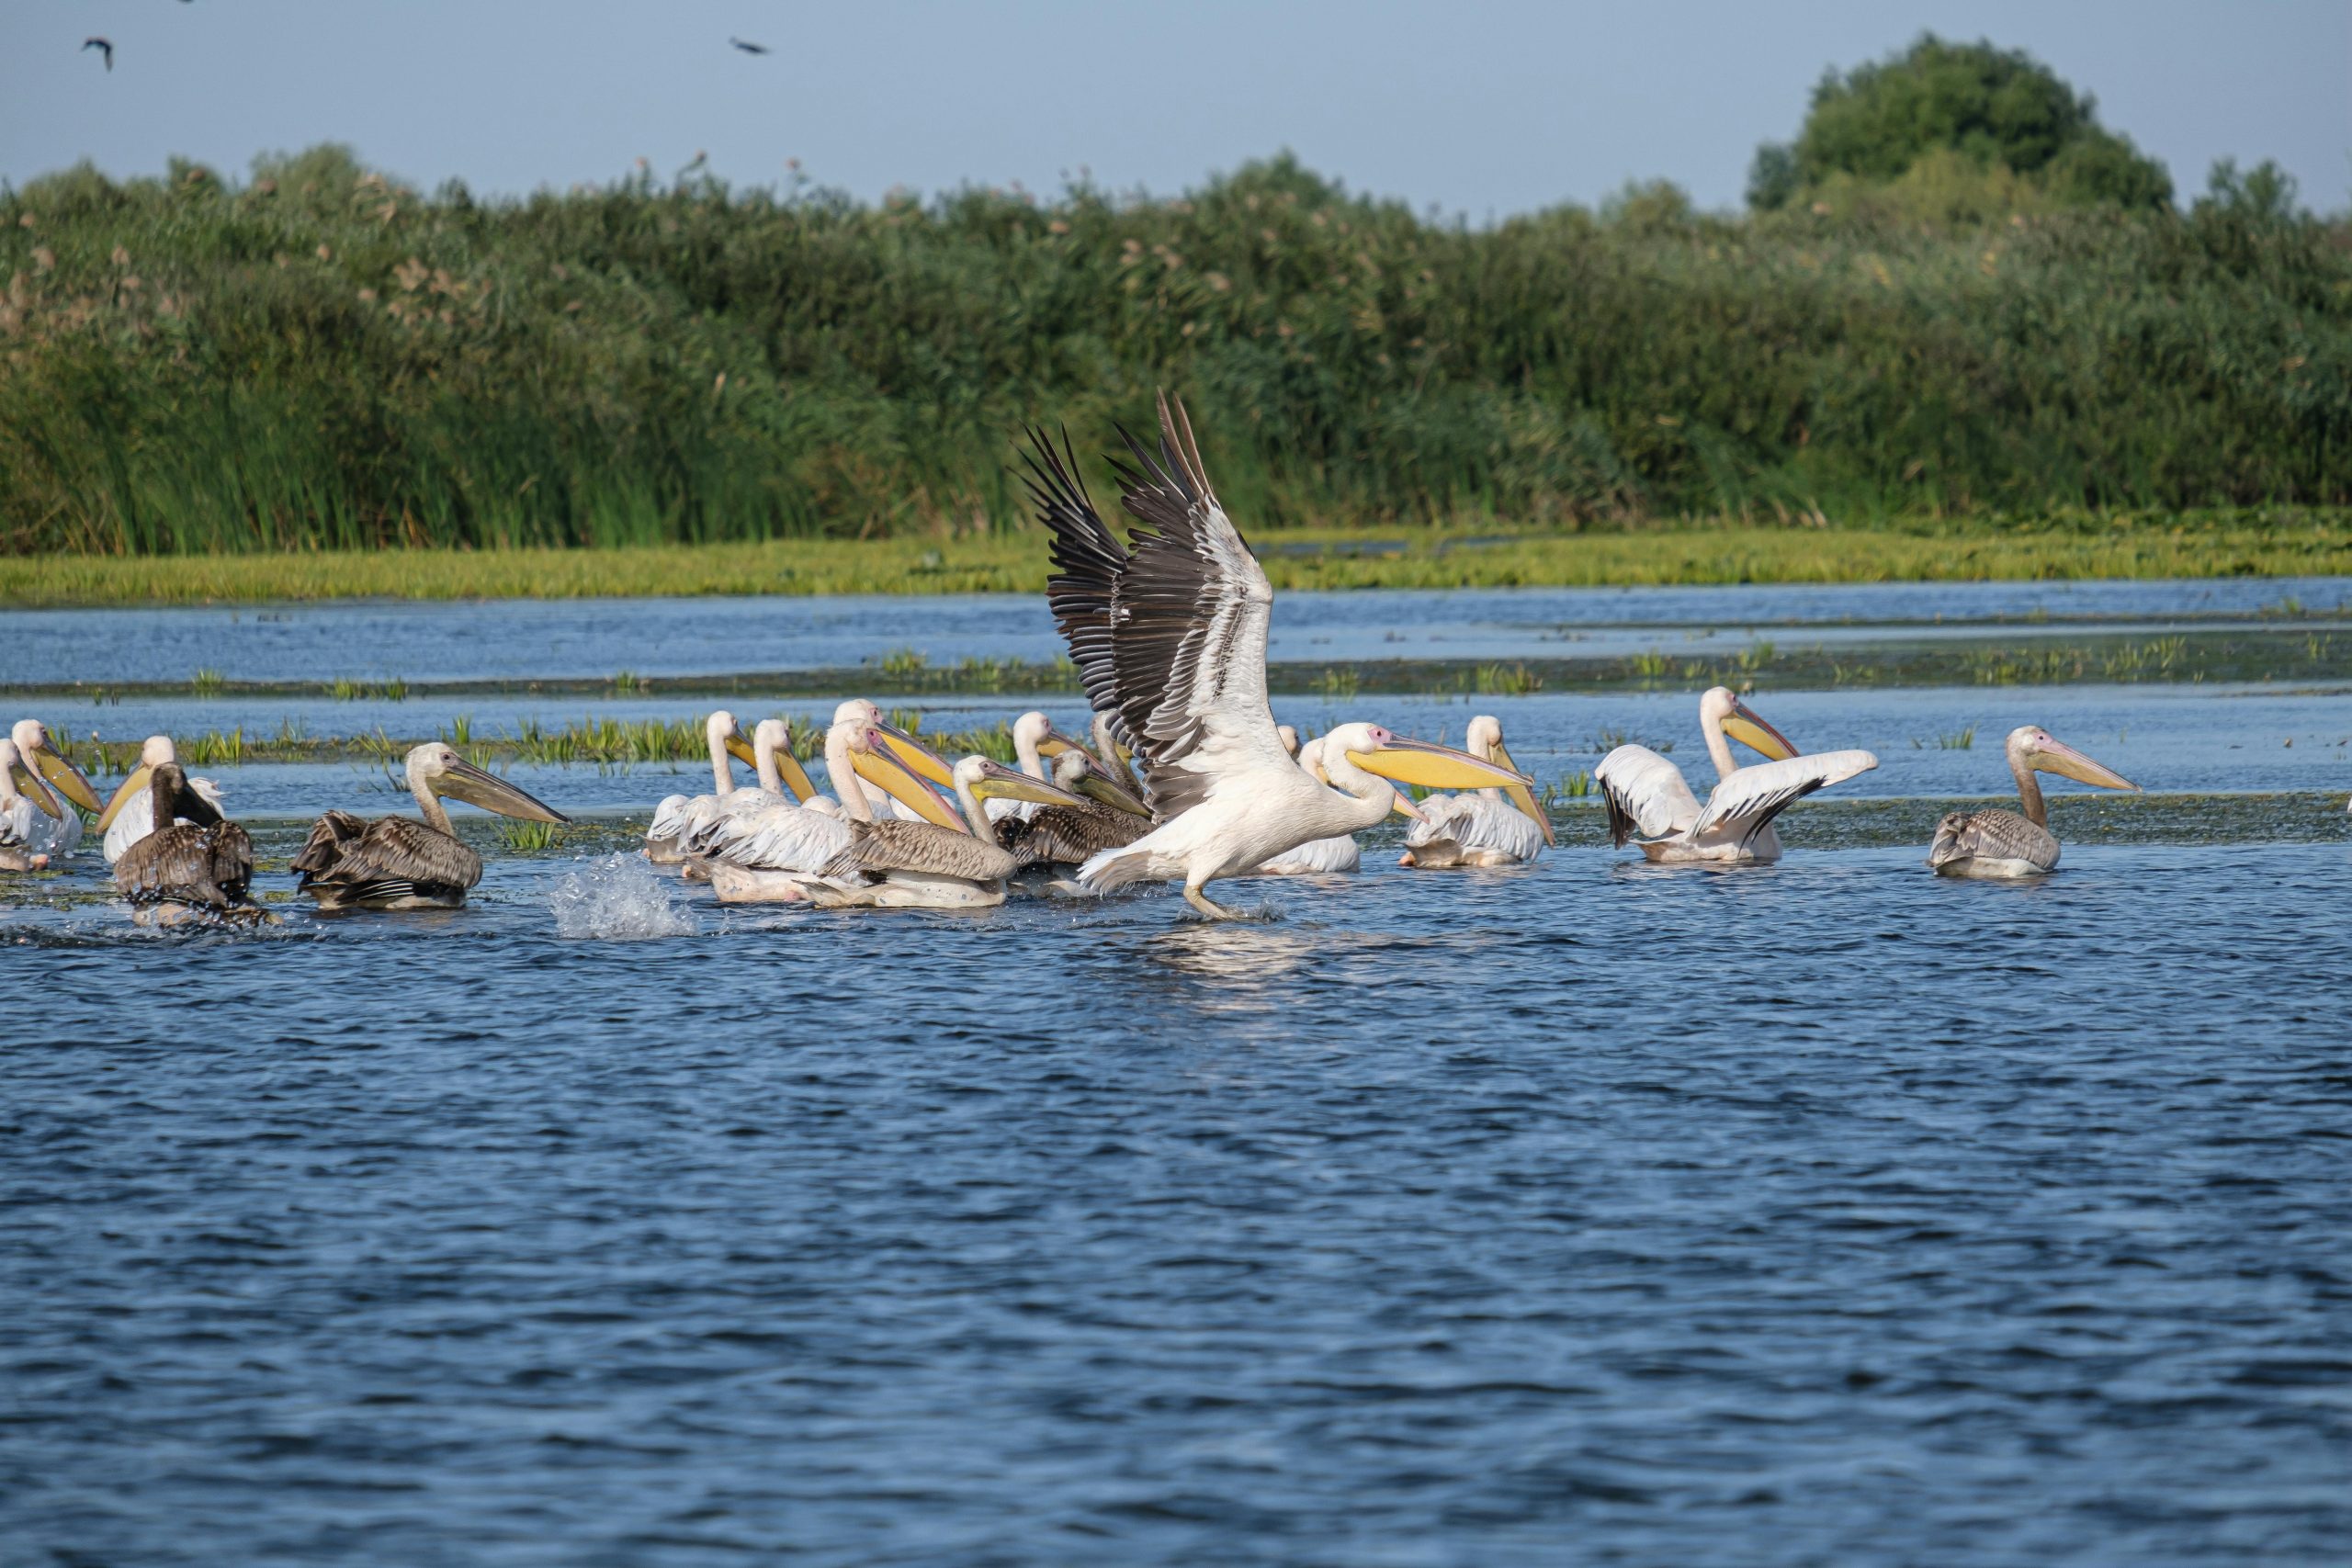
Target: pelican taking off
[[1646, 796], [129, 816], [1996, 842], [1492, 827], [1173, 634], [399, 862], [62, 831], [191, 865]]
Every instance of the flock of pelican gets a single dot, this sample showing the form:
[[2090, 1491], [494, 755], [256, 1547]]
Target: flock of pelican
[[1185, 776]]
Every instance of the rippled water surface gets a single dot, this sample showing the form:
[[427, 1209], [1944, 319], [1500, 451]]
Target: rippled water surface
[[1823, 1212]]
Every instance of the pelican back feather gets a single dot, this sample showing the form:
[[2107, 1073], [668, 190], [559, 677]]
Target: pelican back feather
[[881, 847], [391, 857]]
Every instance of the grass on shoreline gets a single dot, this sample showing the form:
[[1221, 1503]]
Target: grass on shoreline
[[2257, 543]]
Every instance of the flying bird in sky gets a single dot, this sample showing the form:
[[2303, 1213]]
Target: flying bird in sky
[[749, 48], [104, 46]]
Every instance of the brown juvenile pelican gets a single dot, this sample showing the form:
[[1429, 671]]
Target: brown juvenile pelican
[[1059, 839], [1646, 796], [899, 864], [129, 816], [35, 750], [398, 862], [192, 864], [1996, 842], [1491, 828], [27, 812], [1171, 628]]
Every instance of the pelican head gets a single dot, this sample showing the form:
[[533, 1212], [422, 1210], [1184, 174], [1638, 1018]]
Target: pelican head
[[18, 776], [155, 753], [1401, 761], [1078, 772], [1484, 740], [724, 731], [436, 769], [993, 781], [1289, 737], [912, 753], [1720, 707], [34, 751], [874, 757], [771, 749], [2030, 745]]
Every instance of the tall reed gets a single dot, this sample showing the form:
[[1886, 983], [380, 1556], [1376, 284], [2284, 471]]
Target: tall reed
[[321, 357]]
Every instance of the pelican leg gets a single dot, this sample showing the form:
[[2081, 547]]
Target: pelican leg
[[1208, 905]]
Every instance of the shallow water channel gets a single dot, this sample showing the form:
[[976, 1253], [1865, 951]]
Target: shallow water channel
[[1586, 1210]]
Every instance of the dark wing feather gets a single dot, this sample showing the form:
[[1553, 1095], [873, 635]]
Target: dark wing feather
[[899, 845], [1188, 621], [1069, 835], [390, 855], [1088, 562], [1993, 834], [188, 863]]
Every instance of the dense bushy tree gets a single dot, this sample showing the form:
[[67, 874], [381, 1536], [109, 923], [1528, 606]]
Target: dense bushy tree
[[1997, 109]]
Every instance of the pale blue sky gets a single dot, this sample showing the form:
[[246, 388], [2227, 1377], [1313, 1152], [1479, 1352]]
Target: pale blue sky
[[1483, 108]]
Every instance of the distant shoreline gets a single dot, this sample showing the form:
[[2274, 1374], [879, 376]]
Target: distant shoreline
[[2289, 542]]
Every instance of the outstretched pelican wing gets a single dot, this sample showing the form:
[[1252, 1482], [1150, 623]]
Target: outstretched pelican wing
[[1087, 563], [1189, 622], [1646, 796], [1749, 799]]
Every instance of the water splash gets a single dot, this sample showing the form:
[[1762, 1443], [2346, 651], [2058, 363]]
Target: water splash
[[616, 899]]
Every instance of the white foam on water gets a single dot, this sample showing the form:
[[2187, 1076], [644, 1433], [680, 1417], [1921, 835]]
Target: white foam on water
[[617, 898]]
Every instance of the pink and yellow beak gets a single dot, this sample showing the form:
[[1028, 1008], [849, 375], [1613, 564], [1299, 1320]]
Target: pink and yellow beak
[[1744, 725], [2052, 756], [913, 755], [65, 775], [878, 764], [29, 784], [1431, 766], [1521, 796], [131, 789]]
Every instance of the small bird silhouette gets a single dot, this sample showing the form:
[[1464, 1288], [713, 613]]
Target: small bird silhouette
[[749, 48], [104, 46]]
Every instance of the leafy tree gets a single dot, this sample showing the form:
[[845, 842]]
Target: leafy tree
[[1993, 106]]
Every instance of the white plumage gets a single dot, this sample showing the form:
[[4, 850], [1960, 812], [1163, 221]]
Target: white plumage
[[1650, 801]]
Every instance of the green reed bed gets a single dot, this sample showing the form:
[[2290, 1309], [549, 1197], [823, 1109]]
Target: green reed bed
[[320, 357]]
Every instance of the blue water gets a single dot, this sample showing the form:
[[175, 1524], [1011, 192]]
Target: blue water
[[594, 639], [1826, 1213]]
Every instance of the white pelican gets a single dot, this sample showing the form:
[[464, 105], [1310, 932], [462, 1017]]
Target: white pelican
[[779, 769], [678, 815], [191, 864], [27, 817], [399, 862], [1036, 745], [937, 862], [1994, 843], [1645, 794], [129, 818], [1316, 857], [1176, 630], [1491, 828], [59, 835]]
